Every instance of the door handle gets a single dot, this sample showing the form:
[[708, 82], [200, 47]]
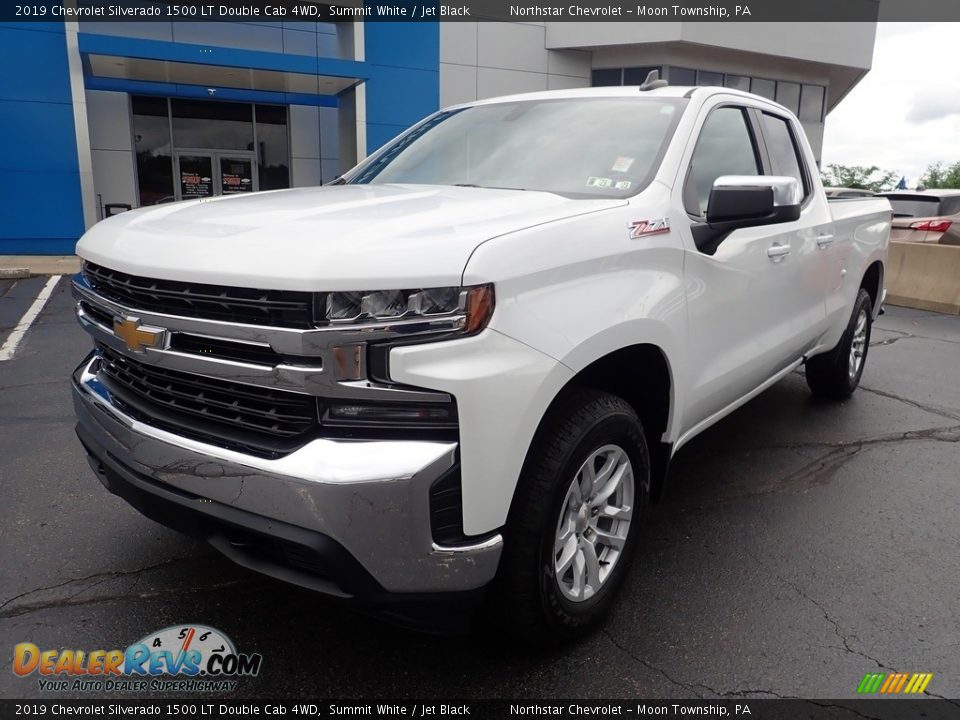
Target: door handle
[[776, 252], [824, 240]]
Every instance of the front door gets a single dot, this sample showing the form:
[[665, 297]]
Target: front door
[[202, 174], [748, 305]]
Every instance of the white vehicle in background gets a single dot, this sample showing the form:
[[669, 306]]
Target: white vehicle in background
[[465, 367]]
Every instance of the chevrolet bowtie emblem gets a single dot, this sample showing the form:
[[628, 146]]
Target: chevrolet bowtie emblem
[[137, 336]]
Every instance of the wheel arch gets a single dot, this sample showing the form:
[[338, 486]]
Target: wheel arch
[[872, 282], [642, 375]]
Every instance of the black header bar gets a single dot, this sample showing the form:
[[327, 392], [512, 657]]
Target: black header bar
[[754, 709], [482, 10]]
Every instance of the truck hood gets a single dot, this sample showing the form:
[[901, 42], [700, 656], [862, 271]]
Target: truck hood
[[346, 237]]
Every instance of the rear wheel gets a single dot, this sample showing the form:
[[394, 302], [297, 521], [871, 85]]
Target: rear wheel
[[574, 521], [836, 374]]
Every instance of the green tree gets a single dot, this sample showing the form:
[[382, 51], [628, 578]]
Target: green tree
[[862, 177], [939, 175]]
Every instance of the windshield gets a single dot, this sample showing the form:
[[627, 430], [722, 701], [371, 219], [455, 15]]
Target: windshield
[[577, 147]]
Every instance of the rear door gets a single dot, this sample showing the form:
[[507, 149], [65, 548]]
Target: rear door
[[753, 305], [821, 252]]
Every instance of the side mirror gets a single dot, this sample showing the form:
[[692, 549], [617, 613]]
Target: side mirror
[[747, 200]]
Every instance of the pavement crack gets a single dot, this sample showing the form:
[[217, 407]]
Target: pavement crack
[[101, 577], [72, 602], [650, 666], [735, 693], [797, 588], [914, 403]]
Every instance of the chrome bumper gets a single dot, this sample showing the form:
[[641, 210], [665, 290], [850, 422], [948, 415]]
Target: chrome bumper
[[371, 497]]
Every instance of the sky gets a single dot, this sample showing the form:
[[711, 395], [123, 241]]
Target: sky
[[905, 114]]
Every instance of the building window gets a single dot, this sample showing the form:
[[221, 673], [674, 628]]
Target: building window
[[707, 78], [811, 103], [607, 76], [272, 155], [763, 88], [682, 76], [151, 142], [737, 82], [217, 148], [206, 124], [637, 75], [788, 95], [806, 101]]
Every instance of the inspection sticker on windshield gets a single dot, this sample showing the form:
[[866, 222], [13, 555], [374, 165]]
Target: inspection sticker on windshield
[[599, 182], [622, 164]]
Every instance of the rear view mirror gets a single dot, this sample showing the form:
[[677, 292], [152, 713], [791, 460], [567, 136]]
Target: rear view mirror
[[738, 201], [747, 200]]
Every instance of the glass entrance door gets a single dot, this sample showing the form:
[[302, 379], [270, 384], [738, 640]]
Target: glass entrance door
[[195, 176], [202, 174], [236, 175]]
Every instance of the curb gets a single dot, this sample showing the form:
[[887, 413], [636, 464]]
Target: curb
[[14, 273]]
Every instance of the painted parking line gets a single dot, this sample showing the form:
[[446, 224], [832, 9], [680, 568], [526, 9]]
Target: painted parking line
[[16, 336]]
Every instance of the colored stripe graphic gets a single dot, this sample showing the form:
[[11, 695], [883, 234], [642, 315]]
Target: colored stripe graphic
[[894, 683], [870, 683]]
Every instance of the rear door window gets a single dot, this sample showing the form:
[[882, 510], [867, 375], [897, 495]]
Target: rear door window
[[784, 151]]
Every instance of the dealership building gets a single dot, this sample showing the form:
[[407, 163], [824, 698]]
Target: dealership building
[[100, 117]]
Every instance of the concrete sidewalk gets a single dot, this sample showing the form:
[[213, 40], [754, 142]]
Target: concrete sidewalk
[[21, 266]]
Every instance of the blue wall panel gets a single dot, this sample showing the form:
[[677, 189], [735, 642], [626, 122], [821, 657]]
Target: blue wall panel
[[378, 134], [403, 86], [40, 180], [38, 127], [34, 65]]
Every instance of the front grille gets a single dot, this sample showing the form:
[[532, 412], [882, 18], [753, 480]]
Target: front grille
[[229, 350], [250, 306], [244, 417], [101, 316]]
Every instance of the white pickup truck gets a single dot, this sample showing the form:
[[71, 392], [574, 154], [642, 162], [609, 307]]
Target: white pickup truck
[[463, 368]]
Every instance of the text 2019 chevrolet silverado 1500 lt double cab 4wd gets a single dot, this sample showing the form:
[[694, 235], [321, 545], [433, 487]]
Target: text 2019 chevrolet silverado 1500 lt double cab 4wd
[[469, 361]]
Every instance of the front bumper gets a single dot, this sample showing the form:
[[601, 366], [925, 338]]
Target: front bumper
[[347, 518]]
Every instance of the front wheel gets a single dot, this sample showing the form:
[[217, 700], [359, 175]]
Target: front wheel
[[836, 374], [574, 521]]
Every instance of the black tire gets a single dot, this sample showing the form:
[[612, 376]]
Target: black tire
[[581, 423], [832, 375]]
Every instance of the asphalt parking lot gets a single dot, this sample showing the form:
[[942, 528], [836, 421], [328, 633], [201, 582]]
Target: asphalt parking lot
[[803, 545]]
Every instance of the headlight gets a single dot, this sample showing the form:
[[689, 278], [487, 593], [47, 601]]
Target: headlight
[[467, 309]]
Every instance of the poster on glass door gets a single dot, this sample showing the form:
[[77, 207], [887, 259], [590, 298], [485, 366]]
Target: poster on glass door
[[196, 179], [235, 176]]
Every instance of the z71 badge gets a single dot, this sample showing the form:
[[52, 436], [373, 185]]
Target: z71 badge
[[641, 228]]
